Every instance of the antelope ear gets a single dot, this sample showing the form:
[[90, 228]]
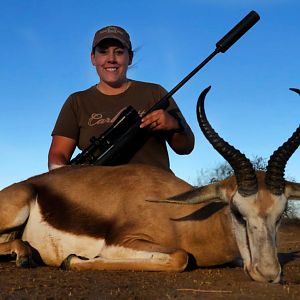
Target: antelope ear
[[229, 186], [210, 193], [292, 190]]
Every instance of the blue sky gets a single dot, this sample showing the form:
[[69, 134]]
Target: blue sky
[[45, 56]]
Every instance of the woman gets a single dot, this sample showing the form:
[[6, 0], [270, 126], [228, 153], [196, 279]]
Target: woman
[[90, 112]]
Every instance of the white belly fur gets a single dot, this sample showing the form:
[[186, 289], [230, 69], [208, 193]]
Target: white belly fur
[[54, 245]]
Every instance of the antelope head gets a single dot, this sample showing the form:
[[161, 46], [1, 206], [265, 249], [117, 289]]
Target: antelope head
[[257, 200]]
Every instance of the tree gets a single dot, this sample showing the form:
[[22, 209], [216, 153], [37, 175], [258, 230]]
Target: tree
[[224, 170]]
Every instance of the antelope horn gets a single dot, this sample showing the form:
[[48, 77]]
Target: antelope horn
[[276, 165], [242, 167], [295, 90]]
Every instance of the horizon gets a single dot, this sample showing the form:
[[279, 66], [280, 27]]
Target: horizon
[[46, 56]]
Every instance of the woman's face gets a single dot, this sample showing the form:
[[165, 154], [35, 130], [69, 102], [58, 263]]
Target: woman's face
[[111, 60]]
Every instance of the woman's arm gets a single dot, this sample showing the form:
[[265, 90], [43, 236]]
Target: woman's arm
[[60, 152], [180, 136], [182, 141]]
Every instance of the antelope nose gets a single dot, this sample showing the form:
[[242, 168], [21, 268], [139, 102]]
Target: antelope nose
[[269, 276]]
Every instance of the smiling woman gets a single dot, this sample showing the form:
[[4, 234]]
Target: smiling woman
[[111, 60], [90, 112]]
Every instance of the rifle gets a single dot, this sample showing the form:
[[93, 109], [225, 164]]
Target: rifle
[[124, 137]]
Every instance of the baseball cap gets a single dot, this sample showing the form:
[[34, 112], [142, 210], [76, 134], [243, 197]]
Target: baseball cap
[[112, 32]]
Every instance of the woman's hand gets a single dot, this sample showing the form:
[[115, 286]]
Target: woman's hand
[[159, 120], [181, 139]]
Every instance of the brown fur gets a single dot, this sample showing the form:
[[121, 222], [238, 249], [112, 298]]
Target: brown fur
[[110, 203], [62, 215], [264, 194]]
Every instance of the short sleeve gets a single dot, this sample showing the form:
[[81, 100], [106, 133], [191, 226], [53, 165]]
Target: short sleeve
[[67, 122]]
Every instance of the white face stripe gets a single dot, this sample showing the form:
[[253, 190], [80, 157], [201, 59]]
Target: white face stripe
[[255, 227]]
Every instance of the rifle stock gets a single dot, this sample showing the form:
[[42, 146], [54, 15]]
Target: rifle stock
[[121, 141]]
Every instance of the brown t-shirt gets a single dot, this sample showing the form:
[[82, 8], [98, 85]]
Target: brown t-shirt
[[89, 113]]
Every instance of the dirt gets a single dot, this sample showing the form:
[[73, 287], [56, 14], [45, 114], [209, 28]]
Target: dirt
[[228, 281]]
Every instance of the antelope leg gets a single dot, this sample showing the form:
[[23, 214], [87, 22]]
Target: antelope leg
[[145, 256], [22, 250]]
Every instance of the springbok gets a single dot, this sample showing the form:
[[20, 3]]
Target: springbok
[[96, 217]]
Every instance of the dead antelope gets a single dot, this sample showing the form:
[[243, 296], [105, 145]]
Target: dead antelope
[[95, 217]]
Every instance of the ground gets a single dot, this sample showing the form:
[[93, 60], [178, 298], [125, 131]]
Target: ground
[[227, 282]]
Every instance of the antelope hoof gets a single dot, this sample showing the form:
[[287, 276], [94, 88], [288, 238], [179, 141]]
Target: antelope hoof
[[25, 262], [65, 265]]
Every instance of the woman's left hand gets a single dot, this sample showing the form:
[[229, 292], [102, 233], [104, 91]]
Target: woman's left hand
[[159, 120]]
